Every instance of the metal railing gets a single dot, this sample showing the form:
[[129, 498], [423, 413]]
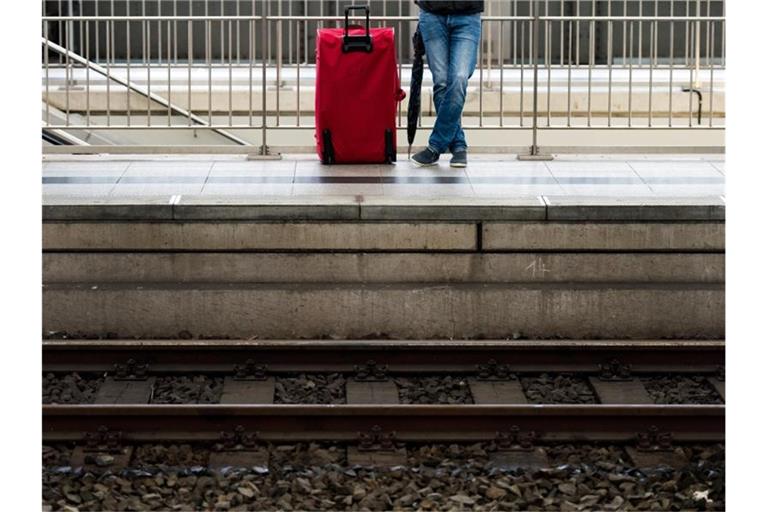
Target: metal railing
[[618, 65]]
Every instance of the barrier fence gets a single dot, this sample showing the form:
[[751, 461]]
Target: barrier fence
[[545, 65]]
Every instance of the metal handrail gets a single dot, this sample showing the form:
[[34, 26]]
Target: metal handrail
[[523, 54], [135, 88]]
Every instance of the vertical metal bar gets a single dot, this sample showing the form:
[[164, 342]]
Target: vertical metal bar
[[399, 70], [535, 34], [514, 34], [229, 58], [110, 42], [562, 33], [697, 44], [168, 58], [208, 60], [269, 28], [591, 63], [190, 59], [264, 149], [631, 46], [671, 66], [306, 33], [68, 81], [148, 35], [707, 43], [570, 60], [489, 44], [690, 87], [237, 26], [70, 27], [144, 43], [128, 71], [530, 35], [278, 62], [290, 39], [221, 31], [175, 33], [640, 39], [522, 72], [578, 34], [722, 41], [87, 74], [548, 53], [96, 30], [624, 37], [61, 35], [711, 33], [687, 30], [298, 76], [251, 48], [80, 35], [501, 73], [47, 79], [159, 37], [653, 43], [610, 66], [480, 50]]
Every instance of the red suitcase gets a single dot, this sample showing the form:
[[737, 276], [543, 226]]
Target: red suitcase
[[356, 94]]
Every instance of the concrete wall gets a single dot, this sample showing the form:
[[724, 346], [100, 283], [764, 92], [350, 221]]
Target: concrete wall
[[656, 273]]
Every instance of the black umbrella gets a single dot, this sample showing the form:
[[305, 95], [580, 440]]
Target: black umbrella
[[414, 101]]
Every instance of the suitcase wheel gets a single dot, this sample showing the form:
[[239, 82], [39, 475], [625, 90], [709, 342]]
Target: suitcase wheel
[[328, 156], [390, 154]]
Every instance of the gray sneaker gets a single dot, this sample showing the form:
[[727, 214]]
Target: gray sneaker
[[425, 157], [459, 158]]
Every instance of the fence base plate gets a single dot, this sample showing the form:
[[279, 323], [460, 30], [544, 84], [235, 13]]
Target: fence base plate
[[537, 157], [268, 156]]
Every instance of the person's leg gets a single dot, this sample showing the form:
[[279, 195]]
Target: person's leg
[[464, 40], [434, 32]]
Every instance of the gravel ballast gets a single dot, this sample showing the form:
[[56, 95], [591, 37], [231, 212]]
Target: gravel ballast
[[681, 389], [197, 389], [70, 388], [437, 477], [311, 388], [559, 388], [433, 390]]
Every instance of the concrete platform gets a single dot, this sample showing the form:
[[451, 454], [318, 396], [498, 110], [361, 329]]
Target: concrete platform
[[300, 187], [582, 247]]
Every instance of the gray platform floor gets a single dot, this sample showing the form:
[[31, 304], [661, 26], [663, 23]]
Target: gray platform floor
[[488, 176]]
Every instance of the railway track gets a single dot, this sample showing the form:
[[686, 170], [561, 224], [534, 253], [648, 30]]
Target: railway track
[[624, 411]]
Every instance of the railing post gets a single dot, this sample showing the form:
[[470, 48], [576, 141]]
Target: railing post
[[534, 153], [264, 152], [264, 149]]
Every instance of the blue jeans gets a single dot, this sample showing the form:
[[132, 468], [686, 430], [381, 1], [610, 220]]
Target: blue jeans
[[451, 45]]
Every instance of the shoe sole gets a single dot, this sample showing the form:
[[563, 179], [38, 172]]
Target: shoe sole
[[454, 164], [421, 164]]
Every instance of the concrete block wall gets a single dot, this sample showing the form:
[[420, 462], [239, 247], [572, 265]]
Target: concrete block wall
[[386, 270]]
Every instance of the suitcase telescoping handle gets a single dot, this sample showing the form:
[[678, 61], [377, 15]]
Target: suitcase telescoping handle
[[357, 43]]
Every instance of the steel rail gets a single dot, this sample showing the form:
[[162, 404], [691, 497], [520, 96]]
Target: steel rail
[[550, 423], [400, 356]]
